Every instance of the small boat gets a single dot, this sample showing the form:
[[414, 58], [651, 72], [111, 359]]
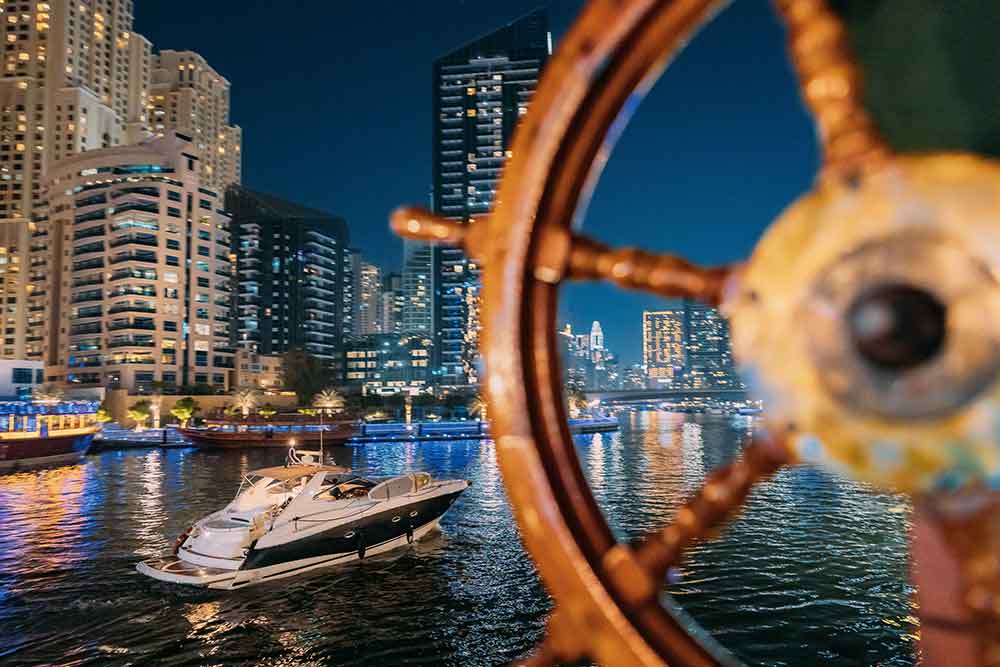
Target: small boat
[[284, 432], [38, 434], [301, 516]]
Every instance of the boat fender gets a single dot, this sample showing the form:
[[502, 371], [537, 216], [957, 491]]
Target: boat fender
[[361, 545], [409, 531], [179, 542]]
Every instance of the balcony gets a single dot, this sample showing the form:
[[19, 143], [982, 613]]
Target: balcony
[[128, 342], [135, 256], [95, 279], [133, 274], [92, 295], [141, 240], [139, 325], [95, 263], [131, 308], [88, 248], [80, 329]]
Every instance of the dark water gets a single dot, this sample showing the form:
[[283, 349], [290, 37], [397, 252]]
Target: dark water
[[813, 573]]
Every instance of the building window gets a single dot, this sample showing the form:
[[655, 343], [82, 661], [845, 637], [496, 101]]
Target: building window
[[22, 375], [201, 358]]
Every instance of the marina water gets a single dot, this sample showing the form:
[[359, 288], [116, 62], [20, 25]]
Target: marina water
[[813, 573]]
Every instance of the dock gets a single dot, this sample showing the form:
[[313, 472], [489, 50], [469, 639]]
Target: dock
[[116, 437]]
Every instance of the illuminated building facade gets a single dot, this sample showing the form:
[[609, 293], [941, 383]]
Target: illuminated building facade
[[187, 95], [418, 288], [707, 352], [663, 346], [392, 303], [74, 77], [388, 363], [134, 284], [688, 347], [480, 91], [366, 297], [292, 263]]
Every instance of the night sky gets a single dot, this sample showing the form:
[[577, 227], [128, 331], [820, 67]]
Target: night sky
[[334, 101]]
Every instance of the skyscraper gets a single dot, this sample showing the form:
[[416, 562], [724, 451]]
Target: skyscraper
[[480, 91], [596, 343], [186, 94], [688, 347], [708, 355], [392, 303], [72, 81], [367, 294], [663, 346], [292, 261], [418, 288], [137, 288]]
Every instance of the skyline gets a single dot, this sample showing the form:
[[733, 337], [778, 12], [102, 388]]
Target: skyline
[[732, 89]]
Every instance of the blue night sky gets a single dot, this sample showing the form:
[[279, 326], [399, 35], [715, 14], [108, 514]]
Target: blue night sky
[[334, 102]]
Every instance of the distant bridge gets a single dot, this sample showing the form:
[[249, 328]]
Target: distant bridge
[[645, 395]]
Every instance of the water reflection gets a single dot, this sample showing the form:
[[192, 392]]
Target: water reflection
[[813, 571]]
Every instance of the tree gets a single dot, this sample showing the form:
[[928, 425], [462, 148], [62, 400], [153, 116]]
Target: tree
[[47, 393], [184, 409], [245, 400], [139, 413], [304, 374], [328, 400], [103, 415], [577, 402], [478, 408]]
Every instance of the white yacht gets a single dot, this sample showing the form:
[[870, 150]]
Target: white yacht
[[293, 518]]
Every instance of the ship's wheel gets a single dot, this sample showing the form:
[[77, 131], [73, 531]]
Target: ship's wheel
[[867, 318]]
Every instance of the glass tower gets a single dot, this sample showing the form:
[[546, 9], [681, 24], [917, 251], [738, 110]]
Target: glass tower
[[480, 91]]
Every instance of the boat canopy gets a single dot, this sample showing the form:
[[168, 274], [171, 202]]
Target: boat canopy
[[283, 473]]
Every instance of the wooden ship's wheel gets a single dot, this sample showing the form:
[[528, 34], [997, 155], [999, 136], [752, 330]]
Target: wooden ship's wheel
[[867, 318]]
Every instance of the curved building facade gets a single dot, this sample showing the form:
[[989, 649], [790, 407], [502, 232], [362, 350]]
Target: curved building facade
[[134, 285]]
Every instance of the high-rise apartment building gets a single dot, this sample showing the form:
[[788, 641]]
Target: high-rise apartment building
[[392, 303], [480, 91], [77, 78], [663, 346], [418, 288], [72, 81], [133, 285], [292, 262], [366, 296], [14, 242], [688, 347], [187, 95], [708, 354]]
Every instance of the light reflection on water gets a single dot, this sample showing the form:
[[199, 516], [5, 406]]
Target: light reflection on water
[[812, 572]]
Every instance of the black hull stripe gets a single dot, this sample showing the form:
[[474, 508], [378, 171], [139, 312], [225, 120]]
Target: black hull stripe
[[367, 532]]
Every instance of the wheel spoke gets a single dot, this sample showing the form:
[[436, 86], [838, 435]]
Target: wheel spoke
[[664, 275], [956, 568], [562, 254], [831, 85], [721, 496]]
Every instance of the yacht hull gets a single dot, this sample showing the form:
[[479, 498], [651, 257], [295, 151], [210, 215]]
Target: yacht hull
[[173, 570], [343, 542]]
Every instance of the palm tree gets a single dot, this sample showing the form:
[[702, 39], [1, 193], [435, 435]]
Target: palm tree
[[245, 400], [184, 409], [139, 413], [478, 406], [327, 400], [47, 393], [103, 415]]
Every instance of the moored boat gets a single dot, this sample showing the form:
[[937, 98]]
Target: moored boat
[[284, 432], [302, 516], [37, 434]]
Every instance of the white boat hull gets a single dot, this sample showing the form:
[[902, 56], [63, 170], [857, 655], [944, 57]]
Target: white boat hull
[[176, 571]]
